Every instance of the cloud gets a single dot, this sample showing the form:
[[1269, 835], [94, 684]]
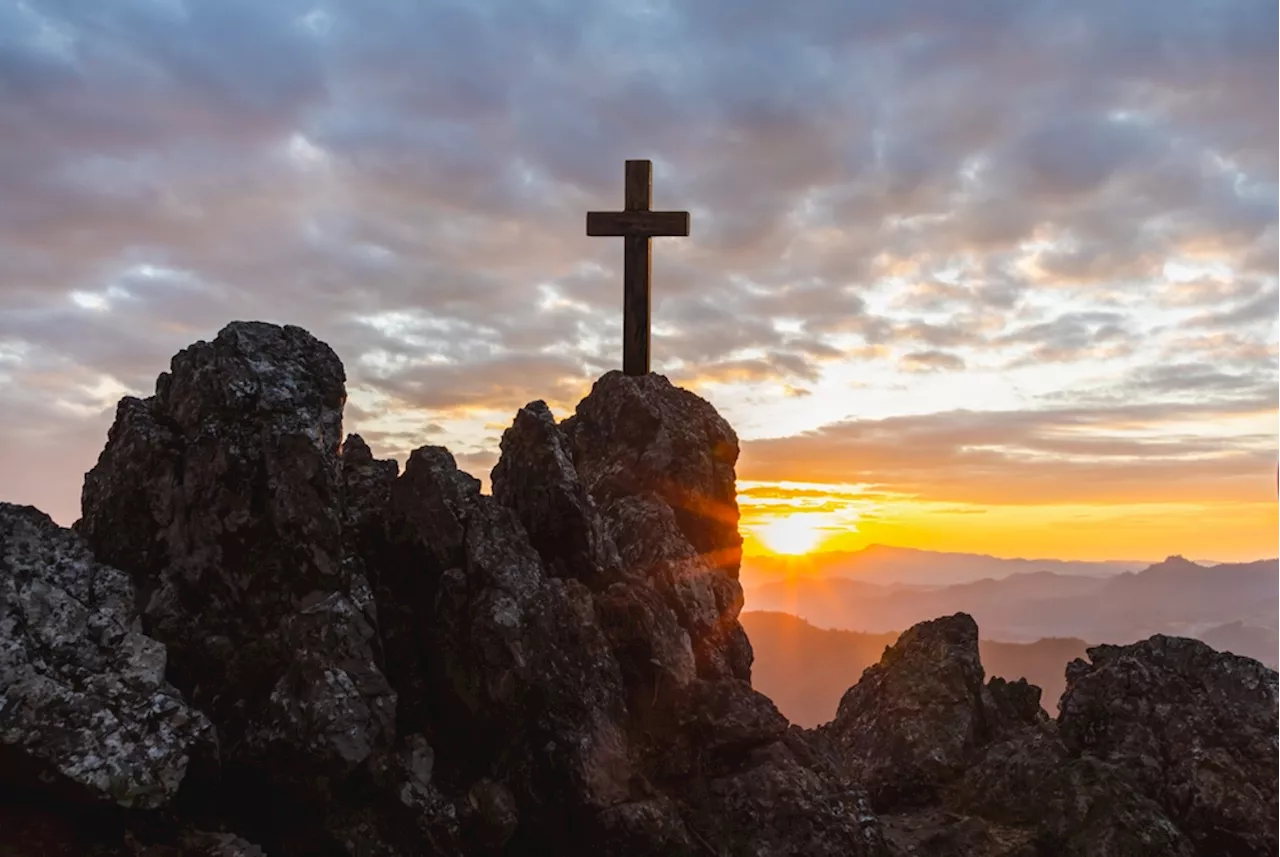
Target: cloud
[[883, 196], [931, 361], [1115, 454]]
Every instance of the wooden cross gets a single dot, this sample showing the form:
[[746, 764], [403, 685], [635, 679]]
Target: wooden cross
[[637, 224]]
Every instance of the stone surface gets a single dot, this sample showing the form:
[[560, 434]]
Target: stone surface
[[920, 716], [85, 711], [1194, 729], [634, 435], [659, 462], [223, 496], [536, 478]]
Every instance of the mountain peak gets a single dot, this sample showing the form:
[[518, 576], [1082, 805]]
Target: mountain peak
[[1175, 562]]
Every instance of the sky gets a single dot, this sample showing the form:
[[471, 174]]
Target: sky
[[995, 277]]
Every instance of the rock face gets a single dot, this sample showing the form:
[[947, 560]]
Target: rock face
[[260, 639], [1194, 729], [923, 714], [1161, 747], [85, 711]]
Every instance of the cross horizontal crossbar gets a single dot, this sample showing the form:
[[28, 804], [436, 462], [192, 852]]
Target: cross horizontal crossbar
[[638, 224]]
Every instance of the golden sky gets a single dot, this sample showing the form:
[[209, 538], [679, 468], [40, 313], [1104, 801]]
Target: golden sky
[[995, 277]]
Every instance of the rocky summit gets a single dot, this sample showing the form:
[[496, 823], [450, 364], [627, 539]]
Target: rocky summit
[[260, 639]]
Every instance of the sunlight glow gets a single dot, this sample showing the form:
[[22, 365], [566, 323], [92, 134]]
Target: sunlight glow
[[794, 534]]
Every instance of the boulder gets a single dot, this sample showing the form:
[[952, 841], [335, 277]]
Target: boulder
[[918, 718], [222, 496], [1193, 729], [85, 711]]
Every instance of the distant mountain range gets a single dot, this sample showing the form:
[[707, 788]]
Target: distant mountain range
[[882, 564], [1235, 601], [805, 670]]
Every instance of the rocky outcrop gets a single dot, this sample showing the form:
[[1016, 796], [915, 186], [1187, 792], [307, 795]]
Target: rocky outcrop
[[223, 496], [1161, 747], [1193, 729], [85, 711], [261, 639], [923, 714], [659, 461]]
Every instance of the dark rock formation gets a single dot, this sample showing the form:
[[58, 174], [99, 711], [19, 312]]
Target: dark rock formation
[[1194, 729], [923, 714], [536, 478], [223, 497], [262, 640], [659, 461], [85, 711], [1162, 747]]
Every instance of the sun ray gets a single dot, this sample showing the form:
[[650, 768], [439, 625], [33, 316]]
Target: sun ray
[[793, 535]]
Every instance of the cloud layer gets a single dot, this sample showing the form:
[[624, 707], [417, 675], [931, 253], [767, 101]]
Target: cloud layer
[[937, 247]]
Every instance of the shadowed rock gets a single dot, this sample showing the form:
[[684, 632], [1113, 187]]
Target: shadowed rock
[[1194, 729], [536, 478], [659, 462], [222, 496], [1162, 747], [921, 715], [637, 435], [85, 710]]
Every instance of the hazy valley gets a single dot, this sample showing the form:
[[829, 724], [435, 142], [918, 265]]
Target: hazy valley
[[814, 635]]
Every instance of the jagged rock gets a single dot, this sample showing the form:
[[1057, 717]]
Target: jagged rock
[[223, 497], [918, 718], [659, 463], [367, 485], [634, 435], [332, 708], [653, 652], [1162, 747], [728, 716], [1194, 729], [1010, 705], [1032, 790], [85, 711], [774, 804], [536, 478], [656, 464], [228, 486], [523, 675]]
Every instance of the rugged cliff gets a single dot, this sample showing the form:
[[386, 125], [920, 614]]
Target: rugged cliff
[[261, 639]]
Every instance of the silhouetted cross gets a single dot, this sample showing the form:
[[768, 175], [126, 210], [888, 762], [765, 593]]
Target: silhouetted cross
[[637, 224]]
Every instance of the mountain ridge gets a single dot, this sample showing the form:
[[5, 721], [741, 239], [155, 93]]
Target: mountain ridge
[[917, 566], [1174, 596], [805, 669], [261, 639]]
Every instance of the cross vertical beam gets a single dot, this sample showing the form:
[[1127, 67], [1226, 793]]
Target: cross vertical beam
[[636, 224], [637, 256]]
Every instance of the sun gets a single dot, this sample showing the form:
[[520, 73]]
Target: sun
[[793, 535]]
